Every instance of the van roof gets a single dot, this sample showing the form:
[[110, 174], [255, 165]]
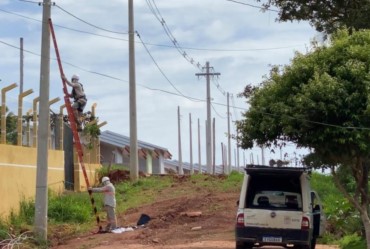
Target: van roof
[[268, 170]]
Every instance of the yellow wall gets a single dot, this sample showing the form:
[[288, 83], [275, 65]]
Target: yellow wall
[[18, 175]]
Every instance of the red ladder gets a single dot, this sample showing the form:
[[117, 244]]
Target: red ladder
[[72, 122]]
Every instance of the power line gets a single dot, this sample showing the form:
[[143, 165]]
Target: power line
[[253, 6], [60, 26], [168, 32], [160, 70], [90, 24], [191, 98], [154, 44], [109, 76]]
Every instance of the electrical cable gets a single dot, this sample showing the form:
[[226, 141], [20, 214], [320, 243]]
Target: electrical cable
[[158, 67], [251, 5], [97, 27], [195, 99], [157, 45]]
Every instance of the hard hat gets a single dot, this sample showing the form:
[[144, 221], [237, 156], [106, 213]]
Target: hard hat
[[104, 179], [75, 76]]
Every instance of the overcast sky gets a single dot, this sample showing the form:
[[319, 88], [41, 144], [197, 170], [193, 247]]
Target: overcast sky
[[175, 40]]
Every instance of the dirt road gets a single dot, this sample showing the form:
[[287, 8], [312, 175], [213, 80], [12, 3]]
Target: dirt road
[[170, 226], [196, 245]]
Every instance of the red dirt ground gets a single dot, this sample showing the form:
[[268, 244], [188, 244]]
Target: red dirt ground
[[169, 227]]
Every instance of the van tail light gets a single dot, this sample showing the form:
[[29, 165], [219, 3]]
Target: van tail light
[[240, 220], [305, 224]]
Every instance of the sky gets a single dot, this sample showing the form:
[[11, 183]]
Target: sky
[[174, 40]]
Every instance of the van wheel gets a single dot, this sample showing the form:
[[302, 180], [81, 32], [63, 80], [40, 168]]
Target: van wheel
[[311, 246], [313, 243], [243, 246]]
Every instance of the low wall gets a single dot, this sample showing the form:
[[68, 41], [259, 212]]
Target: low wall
[[18, 175]]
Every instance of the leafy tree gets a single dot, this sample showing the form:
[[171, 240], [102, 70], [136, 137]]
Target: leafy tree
[[325, 16], [11, 127], [321, 102]]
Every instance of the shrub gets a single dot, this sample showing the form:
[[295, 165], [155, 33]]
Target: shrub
[[352, 241]]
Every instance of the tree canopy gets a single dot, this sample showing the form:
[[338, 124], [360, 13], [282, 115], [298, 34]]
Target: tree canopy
[[325, 16], [320, 101]]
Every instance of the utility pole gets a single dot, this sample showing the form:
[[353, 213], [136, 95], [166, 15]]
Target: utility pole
[[134, 165], [179, 136], [244, 158], [214, 147], [21, 67], [41, 200], [223, 157], [228, 134], [209, 120], [199, 151], [191, 147], [237, 154]]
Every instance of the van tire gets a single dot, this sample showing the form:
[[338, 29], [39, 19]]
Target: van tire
[[312, 245], [243, 246]]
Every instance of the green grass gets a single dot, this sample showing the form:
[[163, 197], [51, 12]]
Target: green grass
[[144, 191]]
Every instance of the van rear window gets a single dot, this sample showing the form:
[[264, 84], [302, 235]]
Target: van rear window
[[274, 192]]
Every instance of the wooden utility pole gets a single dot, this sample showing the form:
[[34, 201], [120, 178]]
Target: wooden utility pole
[[134, 157], [41, 200], [209, 119]]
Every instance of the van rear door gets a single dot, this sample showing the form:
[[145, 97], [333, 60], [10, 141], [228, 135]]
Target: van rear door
[[264, 218]]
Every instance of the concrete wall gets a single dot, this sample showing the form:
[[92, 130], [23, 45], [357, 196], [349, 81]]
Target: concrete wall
[[18, 175]]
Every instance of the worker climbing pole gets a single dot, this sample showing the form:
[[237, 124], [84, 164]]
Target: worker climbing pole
[[73, 125]]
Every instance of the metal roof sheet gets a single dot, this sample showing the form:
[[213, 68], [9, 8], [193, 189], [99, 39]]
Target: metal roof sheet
[[122, 141]]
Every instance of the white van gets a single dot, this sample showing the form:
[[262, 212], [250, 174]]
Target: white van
[[278, 207]]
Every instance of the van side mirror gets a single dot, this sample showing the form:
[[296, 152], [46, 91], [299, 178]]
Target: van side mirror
[[237, 203]]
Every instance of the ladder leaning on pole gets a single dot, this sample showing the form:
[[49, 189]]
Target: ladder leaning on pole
[[73, 125]]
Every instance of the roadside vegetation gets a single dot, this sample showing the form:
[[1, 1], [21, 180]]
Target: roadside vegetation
[[70, 213]]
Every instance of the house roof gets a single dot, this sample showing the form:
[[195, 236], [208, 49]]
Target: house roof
[[123, 142]]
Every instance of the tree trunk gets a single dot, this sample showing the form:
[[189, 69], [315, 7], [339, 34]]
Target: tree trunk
[[366, 221]]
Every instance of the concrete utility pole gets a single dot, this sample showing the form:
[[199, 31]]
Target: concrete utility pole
[[199, 151], [134, 159], [228, 134], [237, 154], [209, 119], [21, 67], [179, 136], [191, 146], [41, 201], [214, 147]]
